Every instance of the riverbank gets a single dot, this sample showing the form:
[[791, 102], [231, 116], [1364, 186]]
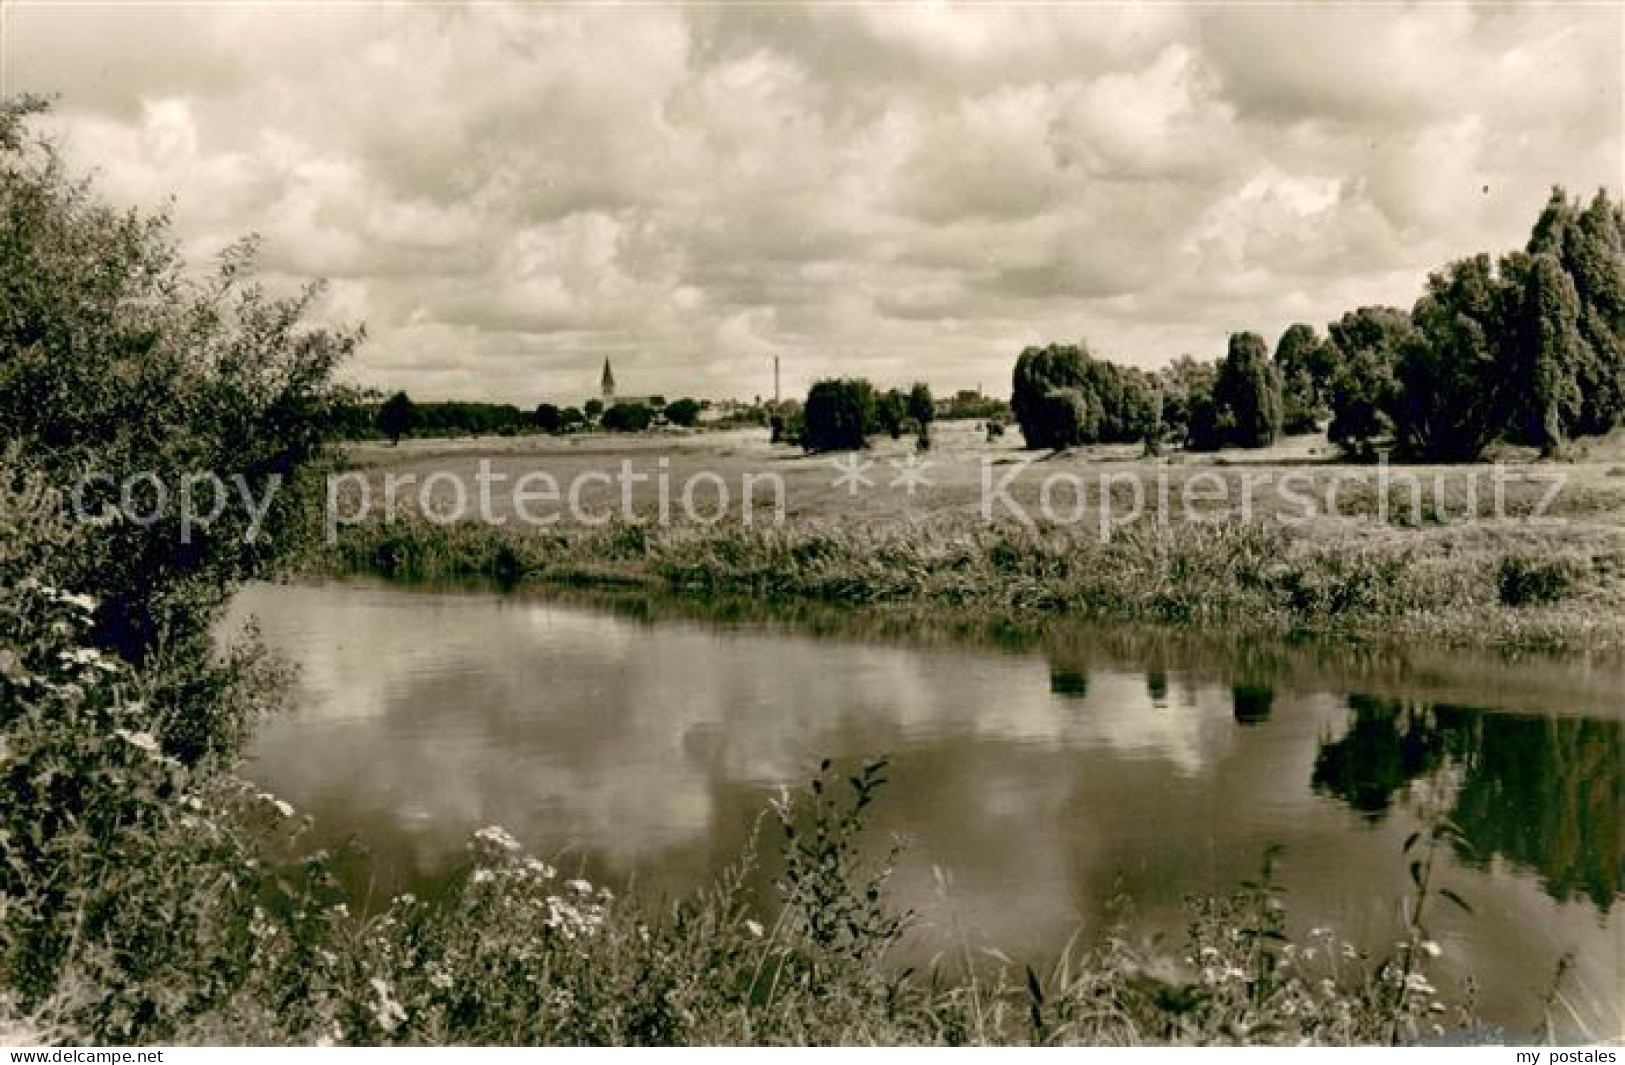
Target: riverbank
[[1480, 586], [1515, 554]]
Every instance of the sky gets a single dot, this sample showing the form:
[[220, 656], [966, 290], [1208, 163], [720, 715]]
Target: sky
[[505, 195]]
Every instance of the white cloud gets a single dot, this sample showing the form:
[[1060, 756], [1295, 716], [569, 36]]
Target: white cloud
[[507, 194]]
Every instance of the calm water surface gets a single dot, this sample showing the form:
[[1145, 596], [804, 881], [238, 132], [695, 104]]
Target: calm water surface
[[1046, 779]]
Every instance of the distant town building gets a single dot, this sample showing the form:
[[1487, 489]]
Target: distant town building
[[606, 390]]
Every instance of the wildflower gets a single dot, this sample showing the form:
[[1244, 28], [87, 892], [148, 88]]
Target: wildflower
[[142, 740], [1418, 983], [11, 665], [441, 981], [579, 886], [497, 838], [1431, 949], [482, 876], [754, 928], [85, 603], [540, 869], [386, 1011]]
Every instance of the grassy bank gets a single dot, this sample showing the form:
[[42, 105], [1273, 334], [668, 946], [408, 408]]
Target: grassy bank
[[1505, 586]]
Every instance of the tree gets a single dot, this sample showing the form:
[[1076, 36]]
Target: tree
[[684, 412], [1040, 372], [1368, 341], [1068, 417], [891, 412], [1590, 248], [1549, 353], [1596, 262], [838, 416], [627, 418], [1450, 376], [594, 409], [1304, 362], [922, 408], [1186, 388], [397, 417], [571, 419], [547, 418], [1247, 393], [117, 358]]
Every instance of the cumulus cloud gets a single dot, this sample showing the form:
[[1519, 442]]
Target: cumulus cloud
[[508, 194]]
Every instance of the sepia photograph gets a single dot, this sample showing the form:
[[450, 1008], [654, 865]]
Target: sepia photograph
[[811, 524]]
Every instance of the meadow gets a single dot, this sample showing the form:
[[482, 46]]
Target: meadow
[[1519, 553]]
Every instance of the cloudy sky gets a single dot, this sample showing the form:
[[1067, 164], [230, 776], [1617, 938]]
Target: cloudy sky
[[507, 194]]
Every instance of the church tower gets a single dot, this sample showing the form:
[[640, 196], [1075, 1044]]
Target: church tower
[[608, 385]]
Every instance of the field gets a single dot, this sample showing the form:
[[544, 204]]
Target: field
[[1513, 552]]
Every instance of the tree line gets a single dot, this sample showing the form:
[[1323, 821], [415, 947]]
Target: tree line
[[366, 416], [1527, 349], [840, 414]]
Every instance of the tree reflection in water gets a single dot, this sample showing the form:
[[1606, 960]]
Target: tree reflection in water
[[1545, 793]]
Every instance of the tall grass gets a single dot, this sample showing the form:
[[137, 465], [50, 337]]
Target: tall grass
[[1476, 588]]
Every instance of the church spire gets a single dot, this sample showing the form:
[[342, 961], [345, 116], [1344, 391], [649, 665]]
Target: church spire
[[608, 383]]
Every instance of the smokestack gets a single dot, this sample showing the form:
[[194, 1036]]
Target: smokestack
[[775, 380]]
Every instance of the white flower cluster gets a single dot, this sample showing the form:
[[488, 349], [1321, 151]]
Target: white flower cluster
[[576, 912]]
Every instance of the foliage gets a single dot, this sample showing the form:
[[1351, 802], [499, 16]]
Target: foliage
[[1368, 342], [838, 415], [397, 417], [1067, 417], [1188, 414], [1451, 386], [833, 897], [1257, 575], [921, 406], [1549, 351], [1304, 363], [1247, 393], [683, 412], [116, 361], [891, 412], [1589, 246], [1064, 397], [548, 418], [627, 418]]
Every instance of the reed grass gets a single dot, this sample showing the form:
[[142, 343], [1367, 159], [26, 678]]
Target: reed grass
[[1510, 587]]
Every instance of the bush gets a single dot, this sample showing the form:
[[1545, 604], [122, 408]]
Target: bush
[[1066, 418], [1524, 581], [683, 412], [1247, 394], [627, 418], [838, 415], [397, 417], [1121, 403], [116, 361]]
